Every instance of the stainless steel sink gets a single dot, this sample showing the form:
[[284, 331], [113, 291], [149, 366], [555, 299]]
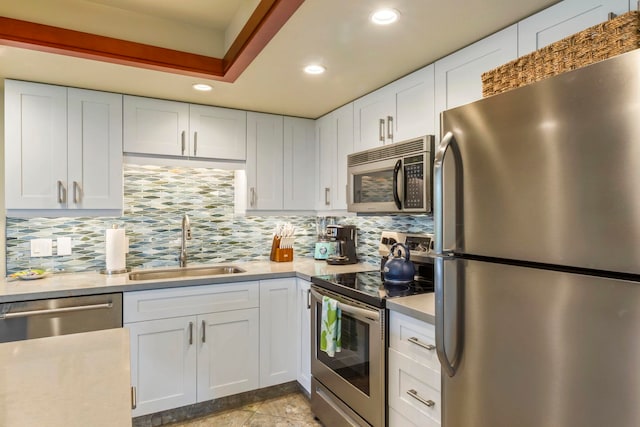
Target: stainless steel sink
[[184, 272]]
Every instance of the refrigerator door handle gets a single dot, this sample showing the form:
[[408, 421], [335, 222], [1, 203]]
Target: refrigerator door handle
[[450, 366]]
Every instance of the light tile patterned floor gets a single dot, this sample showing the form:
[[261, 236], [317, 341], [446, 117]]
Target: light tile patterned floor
[[292, 410]]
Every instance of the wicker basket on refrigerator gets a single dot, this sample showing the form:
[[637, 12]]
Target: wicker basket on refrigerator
[[613, 37]]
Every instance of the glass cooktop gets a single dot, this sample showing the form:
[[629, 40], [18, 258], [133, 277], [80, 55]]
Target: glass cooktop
[[368, 286]]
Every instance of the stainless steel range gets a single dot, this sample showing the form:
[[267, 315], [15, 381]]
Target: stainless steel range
[[348, 388]]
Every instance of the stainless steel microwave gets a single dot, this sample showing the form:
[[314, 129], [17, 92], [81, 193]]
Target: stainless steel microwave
[[395, 178]]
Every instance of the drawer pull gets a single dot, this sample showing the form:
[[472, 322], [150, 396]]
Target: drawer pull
[[417, 342], [430, 403]]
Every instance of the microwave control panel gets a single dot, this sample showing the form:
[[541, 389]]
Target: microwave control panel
[[414, 182]]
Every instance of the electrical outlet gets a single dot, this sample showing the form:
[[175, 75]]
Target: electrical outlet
[[64, 246], [41, 247]]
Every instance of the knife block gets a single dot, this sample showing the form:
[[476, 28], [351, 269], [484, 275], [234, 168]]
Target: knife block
[[279, 254]]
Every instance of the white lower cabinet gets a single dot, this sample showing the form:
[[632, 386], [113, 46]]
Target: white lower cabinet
[[192, 344], [278, 338], [228, 353], [198, 343], [304, 333], [414, 373], [162, 346]]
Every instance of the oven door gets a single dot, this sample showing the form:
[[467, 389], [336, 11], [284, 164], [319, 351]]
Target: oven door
[[356, 374], [375, 187]]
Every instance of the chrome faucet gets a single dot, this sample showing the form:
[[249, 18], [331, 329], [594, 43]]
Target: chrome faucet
[[186, 235]]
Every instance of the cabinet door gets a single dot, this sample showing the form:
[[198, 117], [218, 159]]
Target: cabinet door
[[155, 126], [228, 356], [304, 326], [299, 164], [278, 327], [163, 363], [414, 105], [335, 141], [372, 114], [35, 145], [94, 149], [458, 77], [217, 133], [327, 140], [564, 19], [344, 118], [264, 161]]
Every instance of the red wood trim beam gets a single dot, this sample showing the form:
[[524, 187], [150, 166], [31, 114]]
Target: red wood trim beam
[[264, 23], [46, 38]]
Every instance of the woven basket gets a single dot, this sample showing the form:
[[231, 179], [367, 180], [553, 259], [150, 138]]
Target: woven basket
[[602, 41]]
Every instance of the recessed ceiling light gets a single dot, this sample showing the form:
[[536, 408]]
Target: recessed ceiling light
[[314, 69], [385, 16], [202, 87]]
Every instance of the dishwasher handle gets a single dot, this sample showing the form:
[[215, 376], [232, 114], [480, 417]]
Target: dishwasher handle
[[55, 310]]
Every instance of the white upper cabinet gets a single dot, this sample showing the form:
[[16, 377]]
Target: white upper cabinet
[[63, 148], [94, 149], [458, 77], [401, 110], [299, 169], [334, 134], [155, 126], [264, 161], [170, 128], [217, 133], [564, 19]]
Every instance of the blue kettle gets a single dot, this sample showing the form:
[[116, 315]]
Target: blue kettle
[[399, 269]]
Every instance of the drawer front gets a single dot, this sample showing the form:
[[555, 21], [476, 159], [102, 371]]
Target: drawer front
[[396, 419], [414, 389], [173, 302], [413, 338]]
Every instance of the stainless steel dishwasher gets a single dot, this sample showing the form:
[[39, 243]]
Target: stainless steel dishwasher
[[60, 316]]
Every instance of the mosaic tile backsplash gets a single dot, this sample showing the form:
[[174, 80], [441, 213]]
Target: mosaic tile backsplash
[[156, 198]]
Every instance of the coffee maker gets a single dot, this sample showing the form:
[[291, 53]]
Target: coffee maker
[[346, 238]]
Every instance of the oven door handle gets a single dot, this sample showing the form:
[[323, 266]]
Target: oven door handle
[[350, 309]]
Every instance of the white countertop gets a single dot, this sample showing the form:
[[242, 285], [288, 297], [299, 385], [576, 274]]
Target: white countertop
[[74, 284], [72, 380], [421, 306]]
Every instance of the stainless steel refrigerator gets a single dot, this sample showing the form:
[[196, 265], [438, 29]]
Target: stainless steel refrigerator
[[537, 218]]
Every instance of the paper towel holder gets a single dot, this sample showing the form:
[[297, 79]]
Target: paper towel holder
[[116, 271]]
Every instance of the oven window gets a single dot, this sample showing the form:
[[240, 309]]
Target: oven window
[[373, 187], [352, 362]]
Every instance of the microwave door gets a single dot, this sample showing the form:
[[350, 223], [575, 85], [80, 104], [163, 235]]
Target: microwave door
[[373, 187]]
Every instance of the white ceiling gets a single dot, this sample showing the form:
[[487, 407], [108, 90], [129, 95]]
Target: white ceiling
[[359, 56]]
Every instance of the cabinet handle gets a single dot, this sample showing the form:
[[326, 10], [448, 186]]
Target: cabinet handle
[[134, 398], [183, 141], [327, 196], [77, 192], [62, 193], [390, 128], [252, 200], [204, 332], [381, 130], [195, 144], [190, 333], [308, 299], [430, 403], [416, 341]]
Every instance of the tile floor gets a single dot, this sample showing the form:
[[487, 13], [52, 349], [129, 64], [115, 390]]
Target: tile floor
[[285, 411]]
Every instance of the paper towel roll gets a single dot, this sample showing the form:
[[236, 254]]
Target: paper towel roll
[[116, 248]]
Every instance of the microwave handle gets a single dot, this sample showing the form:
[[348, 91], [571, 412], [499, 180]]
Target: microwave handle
[[396, 171]]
